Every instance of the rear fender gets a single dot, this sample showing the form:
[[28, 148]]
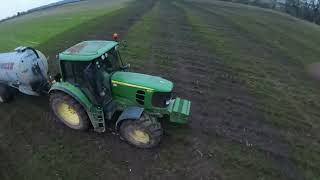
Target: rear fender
[[72, 91], [132, 113], [95, 114]]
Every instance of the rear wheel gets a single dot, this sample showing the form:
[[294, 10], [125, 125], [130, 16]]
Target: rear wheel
[[69, 111], [143, 133], [5, 94]]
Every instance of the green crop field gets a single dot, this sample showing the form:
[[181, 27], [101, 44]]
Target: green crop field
[[255, 112], [38, 27]]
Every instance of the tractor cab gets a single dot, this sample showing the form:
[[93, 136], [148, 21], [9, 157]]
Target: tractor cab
[[89, 54], [85, 75], [89, 65]]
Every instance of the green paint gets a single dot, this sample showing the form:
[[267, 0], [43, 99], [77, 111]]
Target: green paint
[[87, 50], [179, 110], [128, 88], [73, 91], [145, 81]]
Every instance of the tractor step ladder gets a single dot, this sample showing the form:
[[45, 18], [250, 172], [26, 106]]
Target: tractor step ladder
[[98, 119]]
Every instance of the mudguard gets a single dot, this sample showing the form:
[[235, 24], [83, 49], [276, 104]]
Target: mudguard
[[73, 91], [95, 114], [132, 113]]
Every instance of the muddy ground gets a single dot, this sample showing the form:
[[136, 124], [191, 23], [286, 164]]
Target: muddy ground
[[227, 136]]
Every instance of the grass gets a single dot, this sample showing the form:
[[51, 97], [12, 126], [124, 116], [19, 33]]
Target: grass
[[139, 38], [233, 159], [266, 50], [36, 28], [270, 51], [38, 152]]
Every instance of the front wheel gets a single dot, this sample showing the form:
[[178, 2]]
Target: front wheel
[[69, 111], [143, 133]]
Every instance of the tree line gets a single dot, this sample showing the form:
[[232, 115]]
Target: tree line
[[304, 9], [40, 9]]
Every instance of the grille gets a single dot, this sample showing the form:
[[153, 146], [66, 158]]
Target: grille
[[140, 95], [159, 99]]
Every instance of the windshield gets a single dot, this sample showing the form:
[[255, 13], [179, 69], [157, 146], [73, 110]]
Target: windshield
[[112, 61]]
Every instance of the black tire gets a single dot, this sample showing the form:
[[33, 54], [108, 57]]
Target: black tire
[[146, 124], [5, 94], [59, 98]]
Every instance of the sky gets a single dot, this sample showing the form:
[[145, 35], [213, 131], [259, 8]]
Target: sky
[[11, 7]]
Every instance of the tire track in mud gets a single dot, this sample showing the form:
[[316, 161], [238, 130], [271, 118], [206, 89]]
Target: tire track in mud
[[169, 59], [32, 138], [254, 131], [188, 67], [284, 64], [282, 73], [102, 27], [222, 104]]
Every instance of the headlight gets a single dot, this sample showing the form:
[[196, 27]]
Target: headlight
[[168, 102], [103, 57]]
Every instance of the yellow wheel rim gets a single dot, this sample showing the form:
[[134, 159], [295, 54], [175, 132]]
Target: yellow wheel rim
[[140, 136], [68, 114]]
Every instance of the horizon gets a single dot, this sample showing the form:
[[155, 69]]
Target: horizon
[[11, 8]]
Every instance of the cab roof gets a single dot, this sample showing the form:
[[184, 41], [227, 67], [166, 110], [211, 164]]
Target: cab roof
[[87, 50]]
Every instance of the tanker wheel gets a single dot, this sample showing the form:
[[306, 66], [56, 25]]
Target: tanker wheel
[[69, 111], [143, 133], [5, 94]]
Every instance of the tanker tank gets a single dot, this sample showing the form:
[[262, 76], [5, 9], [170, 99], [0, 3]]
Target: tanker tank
[[25, 69]]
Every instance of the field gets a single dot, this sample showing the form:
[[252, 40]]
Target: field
[[35, 28], [255, 112]]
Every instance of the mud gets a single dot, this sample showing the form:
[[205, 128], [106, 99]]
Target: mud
[[35, 145], [222, 104]]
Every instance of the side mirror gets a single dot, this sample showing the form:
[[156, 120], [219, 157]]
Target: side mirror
[[125, 67], [123, 44]]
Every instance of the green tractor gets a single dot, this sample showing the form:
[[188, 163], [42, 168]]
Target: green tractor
[[94, 84]]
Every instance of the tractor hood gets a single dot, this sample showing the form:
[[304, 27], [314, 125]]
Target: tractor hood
[[142, 81]]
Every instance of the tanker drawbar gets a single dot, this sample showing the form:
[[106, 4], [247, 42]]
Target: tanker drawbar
[[25, 69]]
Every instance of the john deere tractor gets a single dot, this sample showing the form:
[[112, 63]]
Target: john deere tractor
[[94, 84]]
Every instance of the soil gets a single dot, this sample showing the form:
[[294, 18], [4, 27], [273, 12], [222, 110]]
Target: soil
[[222, 108]]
